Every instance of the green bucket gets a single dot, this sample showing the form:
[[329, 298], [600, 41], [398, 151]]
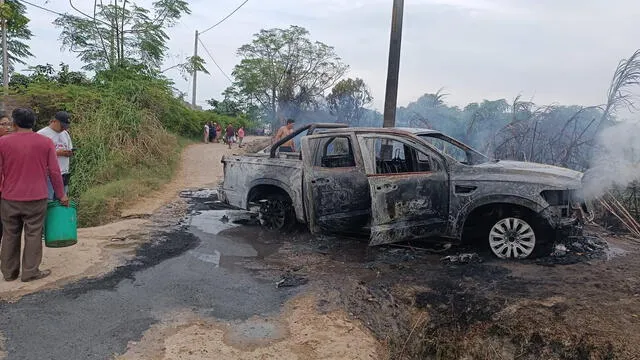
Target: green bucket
[[61, 225]]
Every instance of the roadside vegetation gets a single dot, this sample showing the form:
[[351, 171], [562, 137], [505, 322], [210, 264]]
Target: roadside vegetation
[[128, 127]]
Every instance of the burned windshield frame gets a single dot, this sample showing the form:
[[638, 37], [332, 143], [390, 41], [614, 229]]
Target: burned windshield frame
[[473, 157]]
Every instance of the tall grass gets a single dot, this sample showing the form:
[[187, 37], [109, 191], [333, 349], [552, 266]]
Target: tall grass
[[127, 129]]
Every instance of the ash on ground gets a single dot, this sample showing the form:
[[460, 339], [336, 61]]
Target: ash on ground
[[464, 258], [291, 280], [576, 249]]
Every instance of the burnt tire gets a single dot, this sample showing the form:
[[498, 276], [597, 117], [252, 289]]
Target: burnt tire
[[276, 213], [517, 237]]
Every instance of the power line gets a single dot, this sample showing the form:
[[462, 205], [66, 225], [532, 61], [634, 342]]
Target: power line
[[43, 8], [214, 61], [226, 17]]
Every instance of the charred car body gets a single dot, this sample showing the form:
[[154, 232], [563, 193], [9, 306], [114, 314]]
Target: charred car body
[[405, 184]]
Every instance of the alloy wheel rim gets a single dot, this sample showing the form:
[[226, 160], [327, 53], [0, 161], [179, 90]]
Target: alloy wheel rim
[[512, 238], [272, 214]]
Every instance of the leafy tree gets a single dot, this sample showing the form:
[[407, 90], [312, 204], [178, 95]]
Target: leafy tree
[[284, 72], [48, 74], [348, 99], [234, 104], [431, 111], [120, 33], [190, 65], [17, 32], [225, 107]]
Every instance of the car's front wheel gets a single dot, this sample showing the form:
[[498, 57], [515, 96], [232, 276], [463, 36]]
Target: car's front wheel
[[516, 238]]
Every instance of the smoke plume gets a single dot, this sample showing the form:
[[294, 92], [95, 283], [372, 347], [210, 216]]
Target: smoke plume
[[616, 160]]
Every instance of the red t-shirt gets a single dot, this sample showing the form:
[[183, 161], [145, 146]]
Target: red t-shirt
[[26, 159]]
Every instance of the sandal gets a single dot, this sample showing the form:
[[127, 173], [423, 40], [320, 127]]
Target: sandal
[[40, 275]]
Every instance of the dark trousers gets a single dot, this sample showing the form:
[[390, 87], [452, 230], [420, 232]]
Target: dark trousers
[[16, 217]]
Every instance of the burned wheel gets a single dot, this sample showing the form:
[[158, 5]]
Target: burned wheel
[[512, 238], [276, 212]]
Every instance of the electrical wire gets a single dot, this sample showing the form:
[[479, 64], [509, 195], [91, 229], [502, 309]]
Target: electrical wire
[[214, 61], [42, 8], [225, 18], [199, 40]]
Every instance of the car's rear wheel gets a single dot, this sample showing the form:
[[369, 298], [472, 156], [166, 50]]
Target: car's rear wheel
[[515, 238], [276, 212]]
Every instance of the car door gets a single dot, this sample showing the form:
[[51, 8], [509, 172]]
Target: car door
[[409, 188], [335, 185]]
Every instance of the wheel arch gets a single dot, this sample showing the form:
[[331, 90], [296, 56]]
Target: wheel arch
[[266, 186], [261, 187], [475, 209]]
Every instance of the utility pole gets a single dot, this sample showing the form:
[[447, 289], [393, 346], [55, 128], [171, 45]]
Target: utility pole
[[5, 61], [195, 72], [393, 70]]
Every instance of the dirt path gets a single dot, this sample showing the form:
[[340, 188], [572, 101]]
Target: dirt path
[[299, 333], [200, 167], [101, 249]]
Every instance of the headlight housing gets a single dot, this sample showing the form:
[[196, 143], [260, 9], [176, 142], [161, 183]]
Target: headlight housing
[[565, 201]]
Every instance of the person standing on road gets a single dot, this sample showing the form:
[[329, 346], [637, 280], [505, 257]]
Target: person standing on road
[[218, 132], [284, 131], [213, 132], [5, 128], [207, 130], [229, 135], [57, 132], [240, 136], [26, 160]]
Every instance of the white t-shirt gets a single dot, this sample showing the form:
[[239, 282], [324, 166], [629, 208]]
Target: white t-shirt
[[62, 141]]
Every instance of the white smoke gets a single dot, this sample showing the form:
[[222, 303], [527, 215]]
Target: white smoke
[[616, 161]]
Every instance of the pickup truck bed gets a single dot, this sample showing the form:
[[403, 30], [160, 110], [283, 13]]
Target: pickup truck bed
[[260, 173]]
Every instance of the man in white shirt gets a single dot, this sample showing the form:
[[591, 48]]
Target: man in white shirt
[[57, 132]]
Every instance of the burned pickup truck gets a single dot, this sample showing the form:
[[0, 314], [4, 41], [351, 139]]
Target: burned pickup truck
[[406, 184]]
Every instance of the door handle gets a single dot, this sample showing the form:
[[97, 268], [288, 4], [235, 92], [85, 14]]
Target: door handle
[[464, 189], [387, 186], [319, 180]]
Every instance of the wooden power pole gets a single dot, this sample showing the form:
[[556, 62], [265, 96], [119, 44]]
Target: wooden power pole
[[393, 70], [195, 73]]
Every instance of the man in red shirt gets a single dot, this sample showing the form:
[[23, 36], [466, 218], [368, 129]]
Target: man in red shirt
[[26, 160], [229, 134]]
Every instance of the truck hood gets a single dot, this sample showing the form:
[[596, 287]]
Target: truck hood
[[518, 171]]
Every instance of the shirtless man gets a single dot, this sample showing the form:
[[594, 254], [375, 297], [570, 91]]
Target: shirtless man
[[283, 132]]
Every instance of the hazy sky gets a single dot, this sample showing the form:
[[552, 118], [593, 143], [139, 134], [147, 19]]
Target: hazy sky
[[562, 51]]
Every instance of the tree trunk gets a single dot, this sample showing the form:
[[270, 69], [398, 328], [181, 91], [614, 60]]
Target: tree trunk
[[124, 4], [274, 107]]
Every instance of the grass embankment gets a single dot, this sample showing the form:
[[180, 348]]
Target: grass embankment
[[129, 130]]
